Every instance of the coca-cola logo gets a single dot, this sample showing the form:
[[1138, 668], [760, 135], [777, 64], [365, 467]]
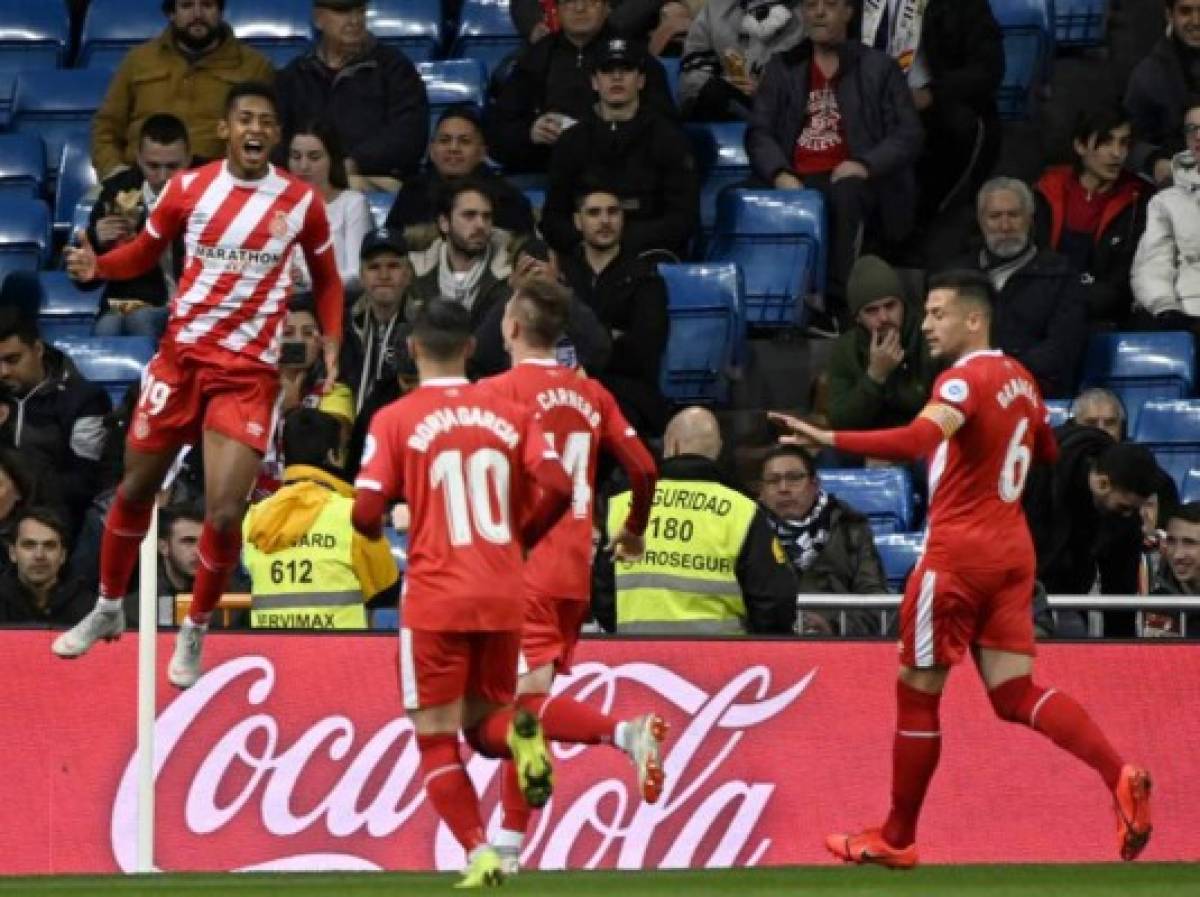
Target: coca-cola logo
[[247, 773]]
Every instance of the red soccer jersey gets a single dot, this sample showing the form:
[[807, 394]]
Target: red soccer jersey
[[580, 417], [238, 236], [464, 460], [977, 477]]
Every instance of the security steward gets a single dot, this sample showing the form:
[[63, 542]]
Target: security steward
[[309, 568], [712, 564]]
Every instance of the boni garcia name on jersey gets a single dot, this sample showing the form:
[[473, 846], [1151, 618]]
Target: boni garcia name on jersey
[[444, 420]]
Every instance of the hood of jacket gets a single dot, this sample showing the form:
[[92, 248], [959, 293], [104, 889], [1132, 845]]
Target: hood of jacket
[[498, 264], [283, 518], [1185, 172]]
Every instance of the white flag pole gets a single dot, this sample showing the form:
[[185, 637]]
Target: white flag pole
[[147, 680]]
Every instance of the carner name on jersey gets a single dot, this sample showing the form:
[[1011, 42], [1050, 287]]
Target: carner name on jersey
[[562, 397], [446, 419], [1014, 388], [237, 259]]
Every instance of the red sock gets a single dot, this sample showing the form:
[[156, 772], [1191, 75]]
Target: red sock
[[570, 721], [124, 528], [489, 737], [450, 790], [915, 752], [516, 811], [1059, 717], [218, 555]]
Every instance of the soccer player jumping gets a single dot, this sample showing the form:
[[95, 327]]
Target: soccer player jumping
[[983, 427], [216, 374]]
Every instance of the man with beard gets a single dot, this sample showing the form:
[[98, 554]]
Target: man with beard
[[1041, 313], [186, 71]]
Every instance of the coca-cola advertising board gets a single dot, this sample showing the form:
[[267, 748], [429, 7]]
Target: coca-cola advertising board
[[292, 753]]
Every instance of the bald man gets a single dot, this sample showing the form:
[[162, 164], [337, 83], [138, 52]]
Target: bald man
[[712, 564]]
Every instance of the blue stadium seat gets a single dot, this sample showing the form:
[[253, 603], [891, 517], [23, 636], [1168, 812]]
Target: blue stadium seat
[[22, 165], [112, 27], [381, 203], [114, 362], [66, 310], [671, 67], [778, 239], [399, 544], [536, 197], [76, 178], [8, 85], [720, 151], [883, 494], [1171, 429], [413, 26], [704, 303], [387, 618], [1028, 45], [25, 239], [1060, 410], [1141, 366], [56, 104], [486, 32], [279, 29], [1191, 486], [899, 553], [1079, 23], [33, 35], [453, 81]]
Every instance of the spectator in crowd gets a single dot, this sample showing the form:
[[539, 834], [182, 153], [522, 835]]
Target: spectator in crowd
[[33, 589], [138, 307], [952, 54], [309, 568], [315, 156], [1040, 315], [880, 371], [1180, 574], [186, 71], [629, 297], [534, 19], [458, 150], [1161, 88], [20, 487], [1166, 268], [836, 116], [55, 417], [1094, 211], [468, 263], [373, 341], [712, 563], [179, 526], [550, 88], [638, 151], [1101, 409], [726, 52], [368, 92], [831, 545]]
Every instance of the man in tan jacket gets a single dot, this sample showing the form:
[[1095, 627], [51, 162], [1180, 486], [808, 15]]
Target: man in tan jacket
[[185, 71]]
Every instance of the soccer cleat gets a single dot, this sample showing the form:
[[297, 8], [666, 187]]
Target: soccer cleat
[[1131, 800], [97, 625], [485, 870], [510, 861], [645, 750], [869, 847], [531, 757], [184, 668]]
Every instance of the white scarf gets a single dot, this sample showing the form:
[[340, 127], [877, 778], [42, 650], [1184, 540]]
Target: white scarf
[[460, 289], [905, 24]]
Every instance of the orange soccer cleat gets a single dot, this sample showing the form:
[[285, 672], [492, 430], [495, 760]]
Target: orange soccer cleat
[[1131, 800], [869, 847]]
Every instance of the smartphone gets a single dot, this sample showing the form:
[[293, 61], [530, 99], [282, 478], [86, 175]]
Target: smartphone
[[293, 353]]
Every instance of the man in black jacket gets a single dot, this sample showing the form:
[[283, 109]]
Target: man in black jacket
[[33, 589], [370, 93], [637, 151], [550, 87]]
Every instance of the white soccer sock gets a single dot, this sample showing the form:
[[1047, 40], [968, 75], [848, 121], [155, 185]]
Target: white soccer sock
[[622, 736], [109, 605], [507, 840]]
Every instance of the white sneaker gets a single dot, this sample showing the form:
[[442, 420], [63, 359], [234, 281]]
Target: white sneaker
[[184, 668], [645, 738], [510, 861], [96, 625]]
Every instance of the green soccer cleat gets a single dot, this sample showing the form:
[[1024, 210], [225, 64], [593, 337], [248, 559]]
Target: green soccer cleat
[[484, 871], [531, 757]]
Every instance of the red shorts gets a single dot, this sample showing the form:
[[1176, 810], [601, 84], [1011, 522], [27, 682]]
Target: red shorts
[[945, 612], [439, 668], [182, 396], [551, 632]]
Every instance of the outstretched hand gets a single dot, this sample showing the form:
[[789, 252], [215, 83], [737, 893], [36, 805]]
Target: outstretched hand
[[799, 432], [81, 260]]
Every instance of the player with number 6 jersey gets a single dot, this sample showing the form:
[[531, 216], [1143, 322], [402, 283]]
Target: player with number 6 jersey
[[984, 426]]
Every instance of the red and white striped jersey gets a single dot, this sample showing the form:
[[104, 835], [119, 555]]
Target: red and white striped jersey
[[238, 236]]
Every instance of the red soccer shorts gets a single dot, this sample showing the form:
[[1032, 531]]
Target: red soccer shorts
[[183, 395], [944, 612], [439, 668], [551, 632]]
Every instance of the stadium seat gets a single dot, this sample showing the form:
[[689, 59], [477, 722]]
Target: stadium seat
[[56, 104], [399, 545], [721, 159], [1171, 429], [8, 84], [1191, 486], [537, 199], [33, 35], [114, 362], [899, 553], [387, 618], [22, 165], [486, 33], [279, 29], [1141, 366], [452, 81], [1080, 23], [1060, 410], [413, 26], [25, 239], [778, 239], [1027, 48], [112, 27], [76, 178], [671, 67], [381, 203], [66, 310], [883, 494], [704, 303]]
